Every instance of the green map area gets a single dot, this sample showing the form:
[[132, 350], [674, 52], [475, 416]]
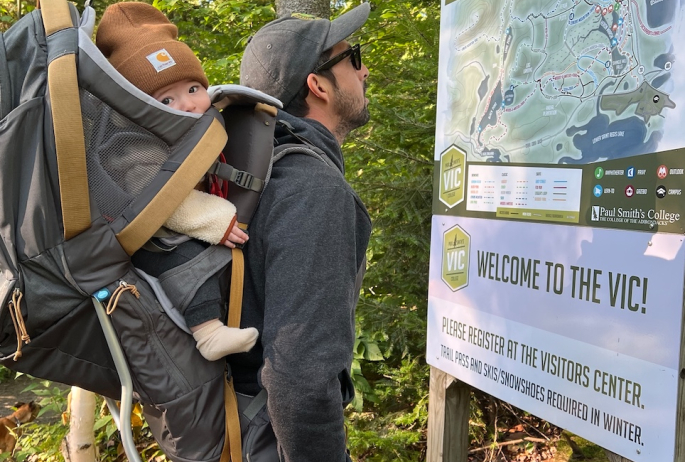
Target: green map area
[[562, 81]]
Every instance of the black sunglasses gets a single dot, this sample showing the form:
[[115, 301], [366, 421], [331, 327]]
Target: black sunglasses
[[354, 53]]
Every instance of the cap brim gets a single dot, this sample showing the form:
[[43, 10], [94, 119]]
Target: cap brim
[[347, 24]]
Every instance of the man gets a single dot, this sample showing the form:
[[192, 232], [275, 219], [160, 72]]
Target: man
[[308, 238]]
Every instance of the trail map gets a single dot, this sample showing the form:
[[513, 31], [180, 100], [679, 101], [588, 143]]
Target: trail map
[[562, 81]]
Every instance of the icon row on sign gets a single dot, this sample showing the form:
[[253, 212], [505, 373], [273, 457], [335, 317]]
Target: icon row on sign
[[630, 172], [661, 191]]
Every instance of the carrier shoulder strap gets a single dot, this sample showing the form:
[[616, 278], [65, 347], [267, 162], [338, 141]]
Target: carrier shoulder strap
[[296, 148], [232, 451], [238, 269], [303, 147], [65, 106]]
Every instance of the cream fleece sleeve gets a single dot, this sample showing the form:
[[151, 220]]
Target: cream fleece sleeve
[[203, 216]]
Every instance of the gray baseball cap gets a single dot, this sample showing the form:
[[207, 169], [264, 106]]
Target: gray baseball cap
[[284, 52]]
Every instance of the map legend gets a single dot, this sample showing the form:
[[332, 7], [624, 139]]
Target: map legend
[[527, 193]]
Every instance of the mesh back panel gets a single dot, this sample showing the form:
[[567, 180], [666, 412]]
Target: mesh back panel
[[122, 157]]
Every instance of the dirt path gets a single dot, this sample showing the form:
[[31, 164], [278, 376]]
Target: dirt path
[[11, 392]]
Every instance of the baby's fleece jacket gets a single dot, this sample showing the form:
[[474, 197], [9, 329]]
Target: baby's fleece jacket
[[203, 216]]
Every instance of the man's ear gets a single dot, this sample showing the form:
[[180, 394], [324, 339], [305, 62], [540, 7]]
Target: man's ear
[[319, 87]]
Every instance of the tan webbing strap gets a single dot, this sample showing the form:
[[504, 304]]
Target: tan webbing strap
[[66, 119], [235, 299], [175, 190], [232, 442], [56, 15], [272, 111], [232, 451]]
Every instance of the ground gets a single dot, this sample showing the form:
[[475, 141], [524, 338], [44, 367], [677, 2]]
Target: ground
[[533, 441], [522, 437], [12, 391]]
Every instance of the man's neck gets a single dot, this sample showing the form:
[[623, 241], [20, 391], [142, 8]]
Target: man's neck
[[328, 120]]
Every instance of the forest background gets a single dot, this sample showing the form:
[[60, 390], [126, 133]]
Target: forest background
[[389, 163]]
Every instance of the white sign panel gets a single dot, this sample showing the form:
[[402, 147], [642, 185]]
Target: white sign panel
[[578, 326]]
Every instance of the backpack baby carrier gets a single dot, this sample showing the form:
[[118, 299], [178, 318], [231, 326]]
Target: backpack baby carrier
[[90, 169]]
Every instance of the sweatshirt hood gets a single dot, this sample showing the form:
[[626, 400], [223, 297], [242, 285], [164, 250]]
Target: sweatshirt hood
[[312, 131]]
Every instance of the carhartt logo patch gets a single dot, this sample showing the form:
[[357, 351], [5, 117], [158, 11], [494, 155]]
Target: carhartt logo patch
[[305, 16], [161, 60]]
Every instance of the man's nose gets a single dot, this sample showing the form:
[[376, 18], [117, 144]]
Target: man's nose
[[365, 72]]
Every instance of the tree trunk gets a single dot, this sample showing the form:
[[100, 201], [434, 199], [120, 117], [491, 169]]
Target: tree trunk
[[318, 8], [79, 445]]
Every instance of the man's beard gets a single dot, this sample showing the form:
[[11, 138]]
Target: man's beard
[[349, 113]]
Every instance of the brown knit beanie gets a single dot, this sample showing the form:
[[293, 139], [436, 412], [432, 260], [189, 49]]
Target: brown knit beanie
[[143, 46]]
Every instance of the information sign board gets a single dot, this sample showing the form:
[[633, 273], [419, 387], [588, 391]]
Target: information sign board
[[557, 261]]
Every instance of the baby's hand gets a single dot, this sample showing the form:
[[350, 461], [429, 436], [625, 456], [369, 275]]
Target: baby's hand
[[236, 236]]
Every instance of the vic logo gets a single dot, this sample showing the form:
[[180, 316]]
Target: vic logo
[[452, 176], [452, 179], [456, 260]]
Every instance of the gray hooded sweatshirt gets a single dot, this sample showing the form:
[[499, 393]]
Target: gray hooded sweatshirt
[[307, 244]]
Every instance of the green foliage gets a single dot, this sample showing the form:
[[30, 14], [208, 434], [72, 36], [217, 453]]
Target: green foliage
[[390, 162], [364, 350], [44, 439], [390, 165], [9, 15], [218, 30], [589, 452], [50, 398], [6, 374], [9, 12], [395, 428]]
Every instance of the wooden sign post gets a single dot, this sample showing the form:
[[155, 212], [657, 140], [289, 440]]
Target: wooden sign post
[[448, 418]]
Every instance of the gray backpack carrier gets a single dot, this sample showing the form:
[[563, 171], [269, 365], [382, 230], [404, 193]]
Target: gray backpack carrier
[[90, 169]]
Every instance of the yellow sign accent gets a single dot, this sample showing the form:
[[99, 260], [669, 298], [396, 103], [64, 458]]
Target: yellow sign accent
[[557, 216], [456, 247], [452, 175]]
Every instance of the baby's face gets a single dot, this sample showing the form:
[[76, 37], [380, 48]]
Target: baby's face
[[186, 95]]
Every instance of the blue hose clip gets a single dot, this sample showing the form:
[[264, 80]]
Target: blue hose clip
[[102, 294]]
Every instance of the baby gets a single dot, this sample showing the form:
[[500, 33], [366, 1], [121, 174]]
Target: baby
[[143, 46]]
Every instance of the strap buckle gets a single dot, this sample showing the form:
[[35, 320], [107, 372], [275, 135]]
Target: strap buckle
[[243, 179]]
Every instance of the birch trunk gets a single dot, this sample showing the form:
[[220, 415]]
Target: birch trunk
[[318, 8], [79, 444]]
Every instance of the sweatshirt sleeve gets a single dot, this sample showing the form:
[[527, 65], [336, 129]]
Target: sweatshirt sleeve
[[309, 329], [203, 216]]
